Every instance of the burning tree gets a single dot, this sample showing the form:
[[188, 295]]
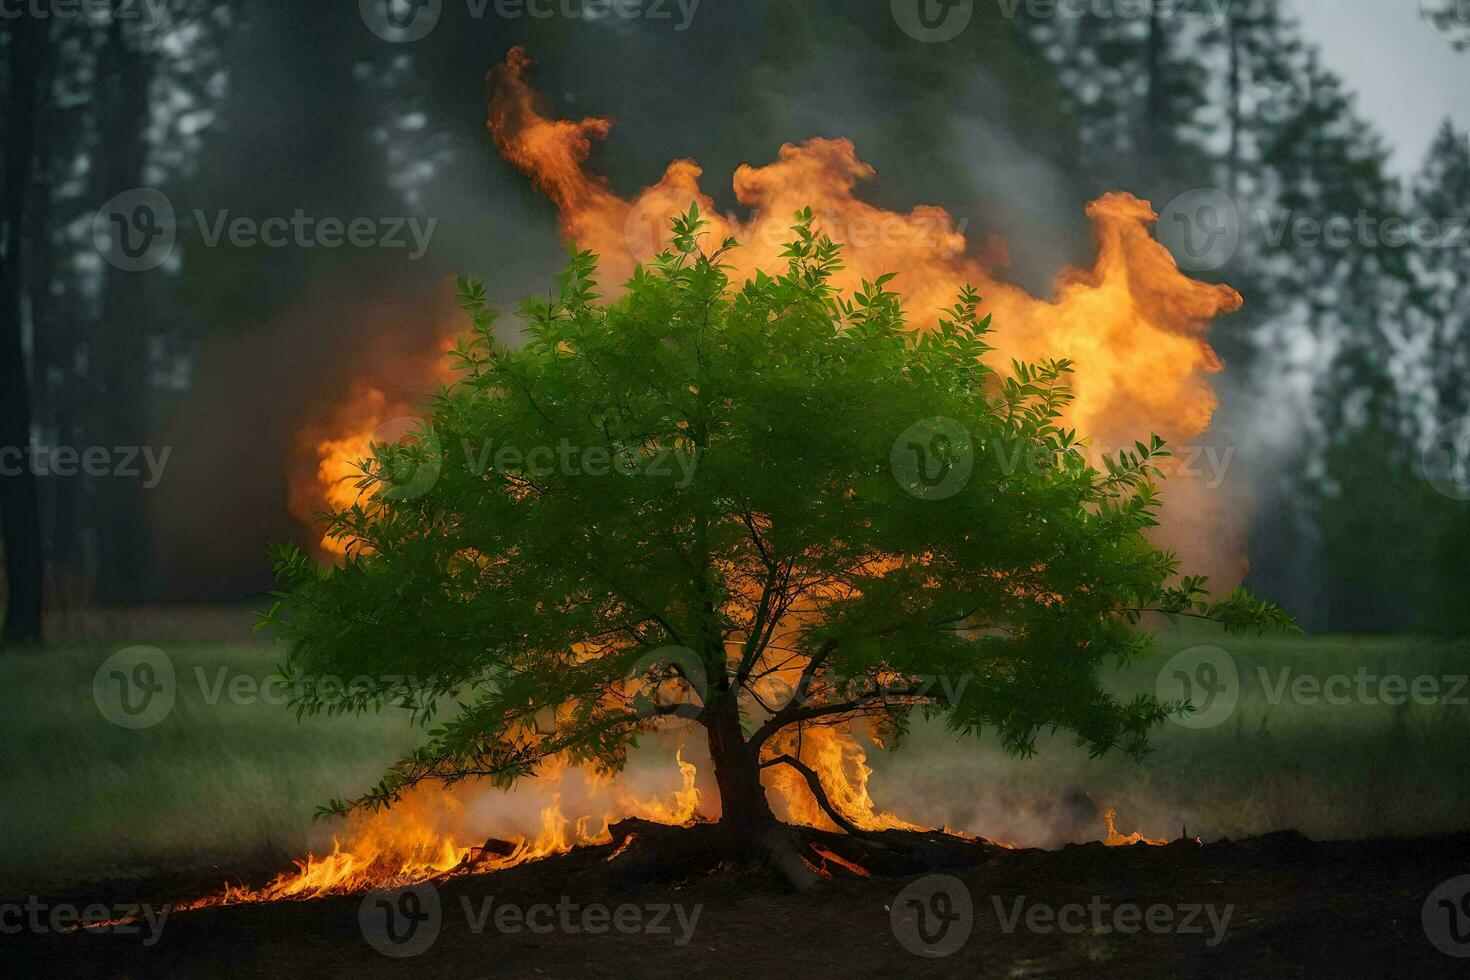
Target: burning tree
[[767, 511]]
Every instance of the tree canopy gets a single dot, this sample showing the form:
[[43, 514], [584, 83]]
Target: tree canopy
[[756, 508]]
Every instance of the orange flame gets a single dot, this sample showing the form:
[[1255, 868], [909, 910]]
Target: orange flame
[[1132, 322], [392, 376], [427, 836], [841, 764], [1115, 839]]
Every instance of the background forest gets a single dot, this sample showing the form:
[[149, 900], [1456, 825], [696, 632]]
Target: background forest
[[1345, 389]]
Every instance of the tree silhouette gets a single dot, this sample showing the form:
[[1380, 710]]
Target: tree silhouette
[[762, 511]]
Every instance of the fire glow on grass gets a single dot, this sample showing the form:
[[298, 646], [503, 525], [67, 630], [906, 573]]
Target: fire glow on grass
[[423, 837], [1133, 323]]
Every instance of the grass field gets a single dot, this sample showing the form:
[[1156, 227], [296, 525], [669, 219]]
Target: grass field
[[1338, 767], [234, 779], [228, 779]]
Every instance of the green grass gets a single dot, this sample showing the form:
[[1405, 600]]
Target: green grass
[[1327, 770], [229, 782], [226, 781]]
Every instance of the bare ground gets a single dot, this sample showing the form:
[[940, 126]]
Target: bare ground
[[1296, 908]]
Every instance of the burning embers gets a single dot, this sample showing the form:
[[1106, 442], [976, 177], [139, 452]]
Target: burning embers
[[426, 836]]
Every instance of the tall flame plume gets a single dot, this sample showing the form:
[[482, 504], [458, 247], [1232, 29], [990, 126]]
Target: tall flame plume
[[1132, 322]]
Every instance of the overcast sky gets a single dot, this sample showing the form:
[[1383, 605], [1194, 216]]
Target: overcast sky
[[1407, 77]]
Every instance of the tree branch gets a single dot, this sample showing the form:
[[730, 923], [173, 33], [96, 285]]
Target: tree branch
[[814, 783]]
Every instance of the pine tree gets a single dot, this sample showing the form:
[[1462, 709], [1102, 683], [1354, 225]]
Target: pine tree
[[1441, 198]]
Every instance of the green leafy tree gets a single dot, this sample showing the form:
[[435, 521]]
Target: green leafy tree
[[763, 482]]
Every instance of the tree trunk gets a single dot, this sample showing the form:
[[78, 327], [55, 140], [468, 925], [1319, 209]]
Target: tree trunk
[[751, 831], [1234, 27], [744, 811], [125, 568], [20, 519]]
